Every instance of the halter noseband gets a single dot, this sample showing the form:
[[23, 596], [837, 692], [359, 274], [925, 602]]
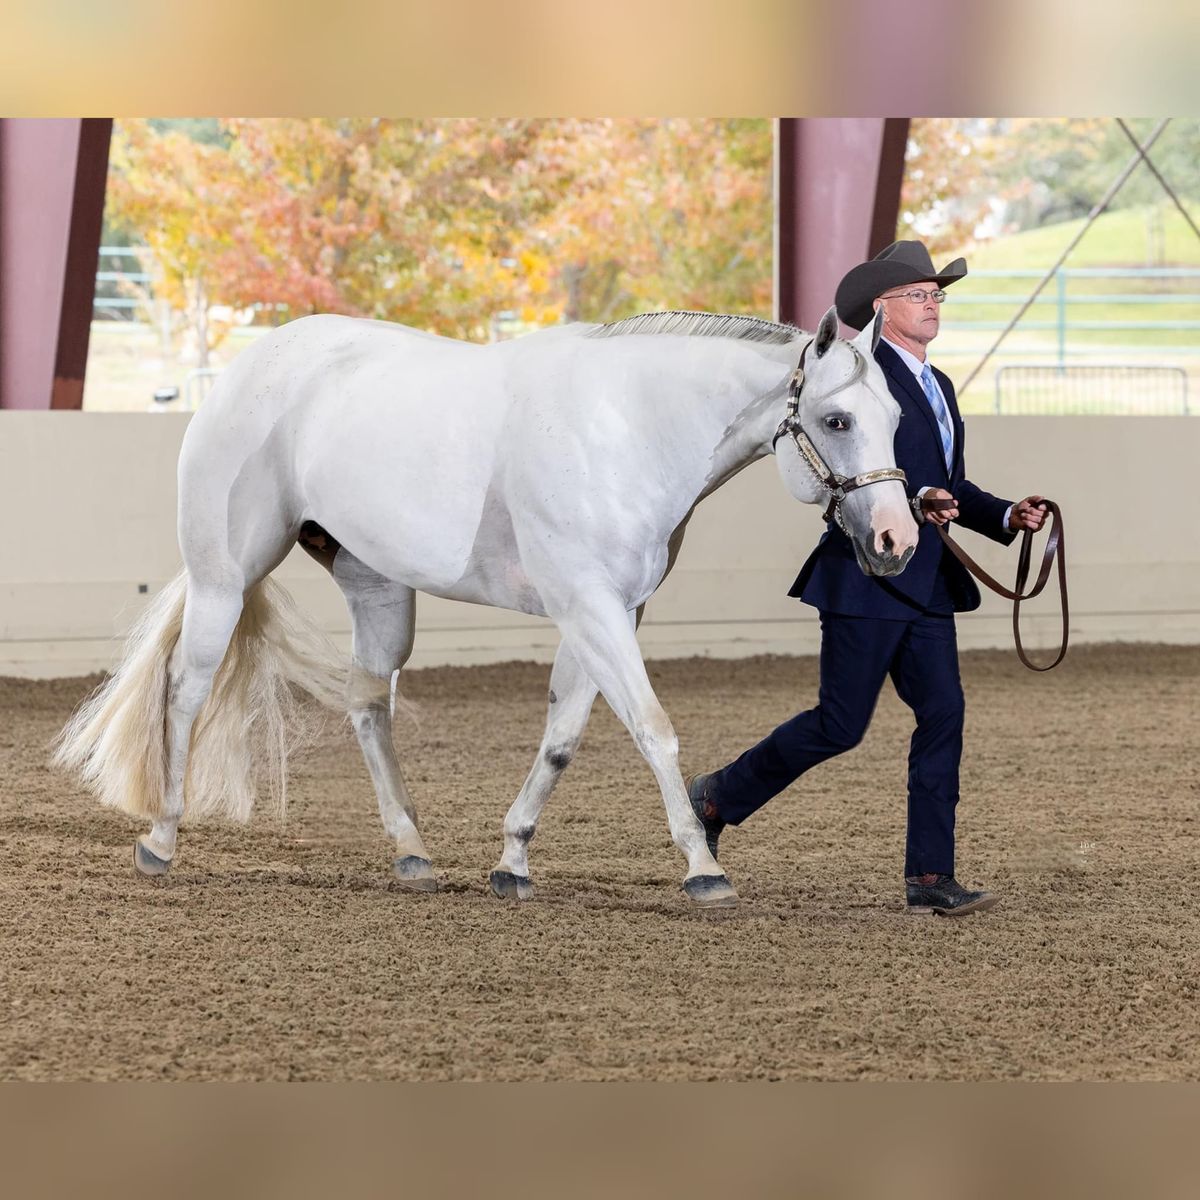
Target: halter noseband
[[838, 487]]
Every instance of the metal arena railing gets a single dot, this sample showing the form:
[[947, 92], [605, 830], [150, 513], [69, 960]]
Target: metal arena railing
[[1091, 388], [1063, 299]]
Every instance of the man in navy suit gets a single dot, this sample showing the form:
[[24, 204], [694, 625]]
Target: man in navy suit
[[903, 626]]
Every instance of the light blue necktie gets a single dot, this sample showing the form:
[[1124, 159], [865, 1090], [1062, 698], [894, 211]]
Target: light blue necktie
[[940, 413]]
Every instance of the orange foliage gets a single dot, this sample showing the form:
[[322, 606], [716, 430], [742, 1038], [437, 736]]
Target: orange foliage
[[448, 224]]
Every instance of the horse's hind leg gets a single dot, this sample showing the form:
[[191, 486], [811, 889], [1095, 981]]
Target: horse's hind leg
[[571, 695], [210, 617], [382, 615]]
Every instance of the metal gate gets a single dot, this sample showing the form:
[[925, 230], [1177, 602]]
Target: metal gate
[[1120, 388]]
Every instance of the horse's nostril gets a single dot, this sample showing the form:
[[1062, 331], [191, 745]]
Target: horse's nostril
[[888, 545]]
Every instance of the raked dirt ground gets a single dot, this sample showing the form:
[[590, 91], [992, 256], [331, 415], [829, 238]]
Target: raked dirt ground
[[281, 951]]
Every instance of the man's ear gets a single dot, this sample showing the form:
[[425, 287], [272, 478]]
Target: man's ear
[[827, 331]]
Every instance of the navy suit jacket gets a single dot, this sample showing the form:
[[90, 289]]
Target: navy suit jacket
[[832, 580]]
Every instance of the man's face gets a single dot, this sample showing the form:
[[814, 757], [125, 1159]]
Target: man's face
[[914, 323]]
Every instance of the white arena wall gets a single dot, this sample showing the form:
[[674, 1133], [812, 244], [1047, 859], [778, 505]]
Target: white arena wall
[[88, 505]]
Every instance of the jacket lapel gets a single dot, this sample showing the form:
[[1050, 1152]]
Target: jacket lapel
[[893, 366]]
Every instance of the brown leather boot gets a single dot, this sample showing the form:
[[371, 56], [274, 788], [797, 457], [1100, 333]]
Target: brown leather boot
[[705, 808]]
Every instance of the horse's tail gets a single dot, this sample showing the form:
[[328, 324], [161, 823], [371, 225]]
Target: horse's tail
[[116, 743]]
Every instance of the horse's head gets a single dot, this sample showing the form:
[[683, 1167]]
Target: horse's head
[[836, 443]]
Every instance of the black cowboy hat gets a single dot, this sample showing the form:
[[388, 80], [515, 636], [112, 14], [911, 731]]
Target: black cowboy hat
[[894, 266]]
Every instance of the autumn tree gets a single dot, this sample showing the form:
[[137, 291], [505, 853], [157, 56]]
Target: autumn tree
[[1058, 168], [949, 186], [443, 224], [181, 196], [664, 214], [1022, 173]]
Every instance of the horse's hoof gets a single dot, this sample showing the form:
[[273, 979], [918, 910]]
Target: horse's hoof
[[414, 874], [508, 886], [710, 891], [146, 862]]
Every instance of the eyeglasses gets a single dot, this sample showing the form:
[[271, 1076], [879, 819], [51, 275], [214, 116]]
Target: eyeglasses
[[917, 296]]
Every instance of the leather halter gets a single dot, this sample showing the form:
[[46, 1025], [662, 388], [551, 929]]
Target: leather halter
[[838, 487]]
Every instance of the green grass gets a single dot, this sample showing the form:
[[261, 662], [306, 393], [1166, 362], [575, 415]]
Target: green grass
[[1116, 239]]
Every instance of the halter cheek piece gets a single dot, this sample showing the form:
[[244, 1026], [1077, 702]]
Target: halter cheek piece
[[838, 487]]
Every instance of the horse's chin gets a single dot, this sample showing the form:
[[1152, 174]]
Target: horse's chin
[[881, 565]]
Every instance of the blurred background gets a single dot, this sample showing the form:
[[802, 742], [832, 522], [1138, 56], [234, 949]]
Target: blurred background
[[215, 230]]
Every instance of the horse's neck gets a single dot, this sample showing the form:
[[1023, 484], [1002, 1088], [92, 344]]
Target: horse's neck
[[751, 418]]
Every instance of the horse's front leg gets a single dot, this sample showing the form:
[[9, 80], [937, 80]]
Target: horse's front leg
[[599, 632], [570, 704]]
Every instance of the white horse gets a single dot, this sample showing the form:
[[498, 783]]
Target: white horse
[[553, 474]]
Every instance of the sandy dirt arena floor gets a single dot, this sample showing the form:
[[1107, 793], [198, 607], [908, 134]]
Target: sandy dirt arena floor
[[281, 952]]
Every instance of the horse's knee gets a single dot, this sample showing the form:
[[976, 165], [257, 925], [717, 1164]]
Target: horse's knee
[[565, 729], [656, 738], [210, 621], [188, 688], [558, 755]]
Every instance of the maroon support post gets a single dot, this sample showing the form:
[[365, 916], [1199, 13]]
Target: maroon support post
[[52, 180], [838, 201]]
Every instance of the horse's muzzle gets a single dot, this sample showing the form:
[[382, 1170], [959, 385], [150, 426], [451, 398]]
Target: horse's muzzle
[[882, 565]]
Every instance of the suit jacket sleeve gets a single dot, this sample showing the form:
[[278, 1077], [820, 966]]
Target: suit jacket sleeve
[[981, 512]]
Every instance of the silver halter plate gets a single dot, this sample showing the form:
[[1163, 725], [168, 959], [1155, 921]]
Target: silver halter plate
[[837, 487]]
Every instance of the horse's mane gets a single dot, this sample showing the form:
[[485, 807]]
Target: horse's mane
[[700, 324]]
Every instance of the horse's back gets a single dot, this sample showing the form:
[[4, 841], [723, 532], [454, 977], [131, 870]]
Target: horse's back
[[283, 367], [308, 364]]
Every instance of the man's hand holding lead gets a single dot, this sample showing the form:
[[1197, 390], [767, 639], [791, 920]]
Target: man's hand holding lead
[[938, 516], [1028, 514]]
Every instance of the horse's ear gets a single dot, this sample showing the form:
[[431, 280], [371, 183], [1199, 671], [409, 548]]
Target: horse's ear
[[869, 338], [827, 331], [877, 328]]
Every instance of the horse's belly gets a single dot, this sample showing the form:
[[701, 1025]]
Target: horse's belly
[[387, 471], [397, 516], [417, 557], [409, 540], [418, 518]]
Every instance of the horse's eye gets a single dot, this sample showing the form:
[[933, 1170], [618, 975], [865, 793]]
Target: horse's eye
[[838, 423]]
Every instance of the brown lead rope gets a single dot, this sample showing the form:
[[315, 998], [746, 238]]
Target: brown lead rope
[[1055, 547]]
